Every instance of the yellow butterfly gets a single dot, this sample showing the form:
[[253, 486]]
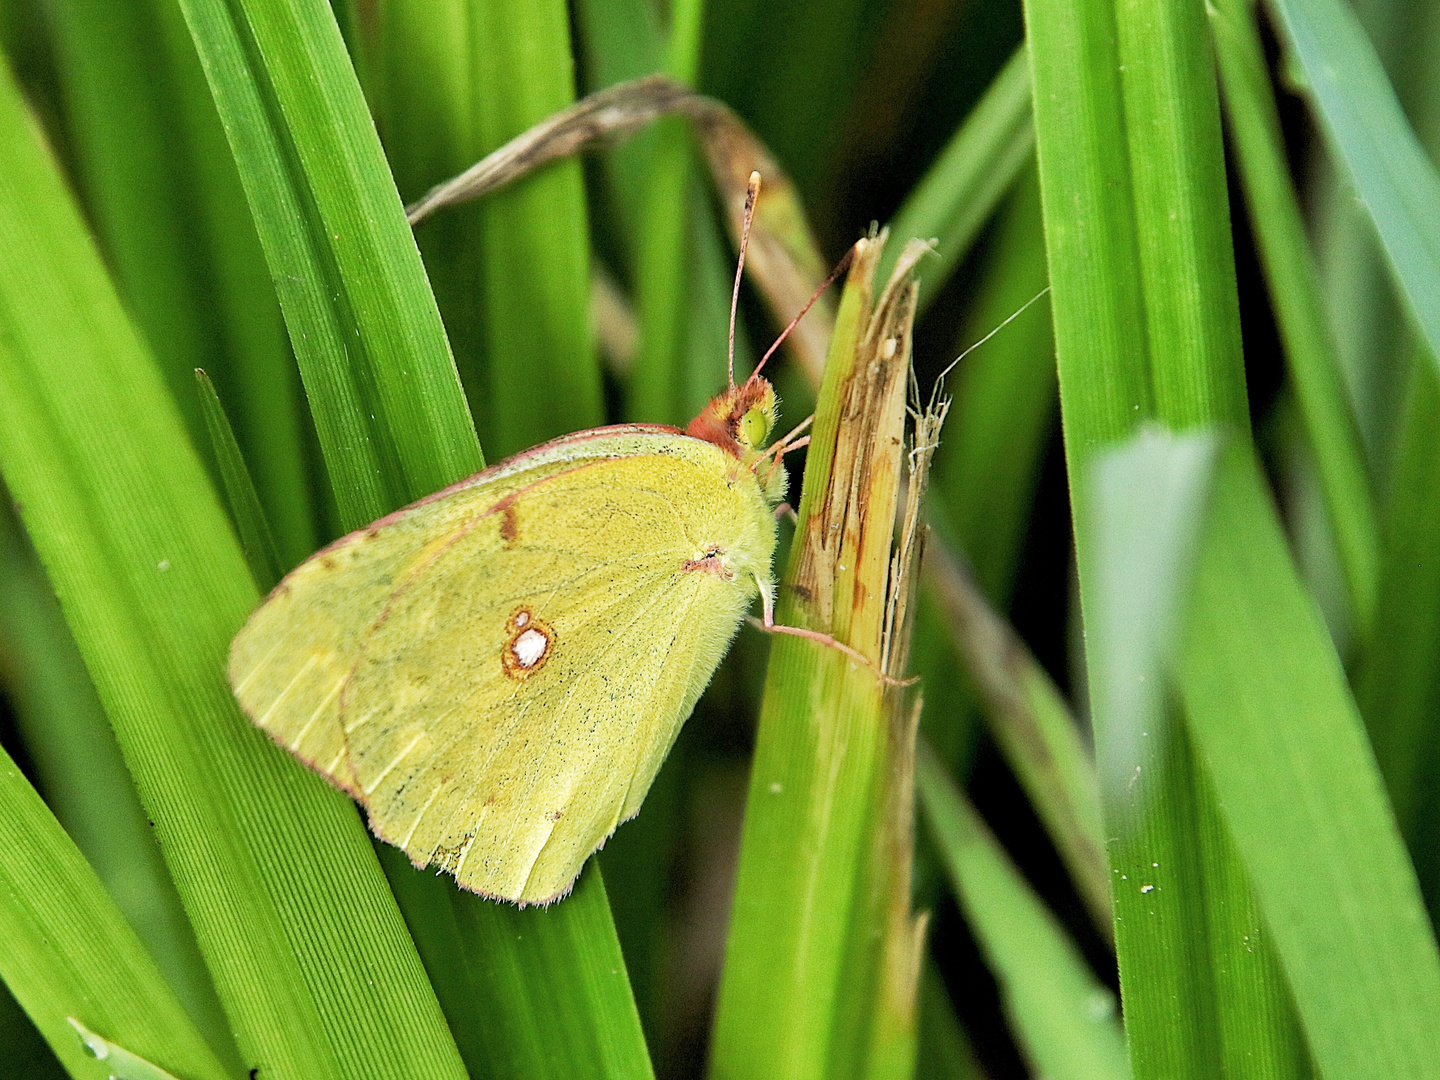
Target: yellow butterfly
[[497, 672]]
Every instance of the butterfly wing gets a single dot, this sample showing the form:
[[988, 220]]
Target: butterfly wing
[[508, 677], [289, 663]]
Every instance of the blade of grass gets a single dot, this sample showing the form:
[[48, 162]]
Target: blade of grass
[[494, 71], [168, 208], [1148, 498], [1128, 140], [1062, 1015], [80, 772], [660, 386], [68, 950], [415, 63], [1398, 686], [1312, 359], [1270, 712], [533, 993], [1364, 307], [544, 373], [250, 524], [1035, 732], [970, 176], [1192, 320], [1368, 132], [308, 953], [362, 320]]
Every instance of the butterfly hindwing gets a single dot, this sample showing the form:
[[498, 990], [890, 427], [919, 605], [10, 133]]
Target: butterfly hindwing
[[497, 673], [513, 703], [289, 663]]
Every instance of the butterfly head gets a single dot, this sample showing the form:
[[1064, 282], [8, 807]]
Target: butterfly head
[[739, 421]]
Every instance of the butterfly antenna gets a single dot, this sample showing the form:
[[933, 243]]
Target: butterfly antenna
[[752, 194], [840, 268], [1015, 315]]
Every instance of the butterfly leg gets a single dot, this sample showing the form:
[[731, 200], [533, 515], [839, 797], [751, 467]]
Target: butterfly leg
[[792, 441], [770, 626]]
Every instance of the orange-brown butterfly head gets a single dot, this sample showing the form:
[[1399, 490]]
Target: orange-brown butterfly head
[[739, 421]]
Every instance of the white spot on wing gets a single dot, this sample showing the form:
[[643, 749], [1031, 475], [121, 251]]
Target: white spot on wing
[[529, 647]]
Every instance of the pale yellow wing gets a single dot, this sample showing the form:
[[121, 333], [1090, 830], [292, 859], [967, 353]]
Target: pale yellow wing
[[288, 664], [499, 682]]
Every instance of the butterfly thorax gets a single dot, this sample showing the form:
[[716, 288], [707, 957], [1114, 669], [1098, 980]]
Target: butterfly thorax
[[739, 421]]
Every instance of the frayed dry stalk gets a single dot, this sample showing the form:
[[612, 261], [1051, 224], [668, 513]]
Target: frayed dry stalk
[[848, 511], [903, 949], [783, 258]]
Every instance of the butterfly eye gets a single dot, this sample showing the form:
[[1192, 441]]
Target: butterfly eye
[[754, 427]]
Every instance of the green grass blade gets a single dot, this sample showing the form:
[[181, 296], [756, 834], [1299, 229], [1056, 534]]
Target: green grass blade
[[448, 86], [662, 388], [1128, 139], [1398, 685], [970, 177], [414, 64], [530, 994], [168, 208], [1368, 132], [1202, 1000], [307, 950], [1312, 359], [68, 951], [250, 524], [1197, 368], [1090, 243], [1062, 1015], [362, 319], [1182, 216], [80, 772], [681, 264], [1271, 715], [544, 373]]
